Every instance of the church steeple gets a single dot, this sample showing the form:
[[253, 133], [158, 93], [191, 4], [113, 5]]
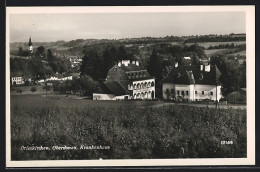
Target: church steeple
[[30, 42], [30, 45]]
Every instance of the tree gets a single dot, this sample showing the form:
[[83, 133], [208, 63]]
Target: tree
[[88, 85], [230, 73], [41, 49], [33, 89], [154, 66]]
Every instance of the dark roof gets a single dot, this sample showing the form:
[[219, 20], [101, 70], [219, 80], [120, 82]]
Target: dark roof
[[193, 75], [132, 67], [127, 73], [115, 88]]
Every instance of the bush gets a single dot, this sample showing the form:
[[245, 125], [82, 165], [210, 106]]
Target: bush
[[19, 91], [33, 89]]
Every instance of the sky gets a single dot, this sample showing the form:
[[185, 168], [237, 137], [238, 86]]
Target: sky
[[55, 27]]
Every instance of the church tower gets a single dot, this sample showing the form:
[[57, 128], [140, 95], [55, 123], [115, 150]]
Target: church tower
[[30, 45]]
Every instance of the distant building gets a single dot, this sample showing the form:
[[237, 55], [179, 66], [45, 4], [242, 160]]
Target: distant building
[[17, 81], [192, 83], [30, 45], [127, 81], [187, 58]]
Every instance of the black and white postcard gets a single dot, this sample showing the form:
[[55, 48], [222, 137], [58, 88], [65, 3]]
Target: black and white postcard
[[130, 86]]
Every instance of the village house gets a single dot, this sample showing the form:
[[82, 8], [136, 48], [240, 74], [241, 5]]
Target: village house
[[127, 80], [17, 81], [193, 83]]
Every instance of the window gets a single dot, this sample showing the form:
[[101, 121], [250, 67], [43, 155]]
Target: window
[[196, 92], [178, 92], [167, 90], [211, 93], [182, 93], [172, 90], [187, 93], [202, 92]]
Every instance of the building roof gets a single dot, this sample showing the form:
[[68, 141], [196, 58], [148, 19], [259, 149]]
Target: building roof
[[188, 75], [131, 72], [113, 87], [132, 67]]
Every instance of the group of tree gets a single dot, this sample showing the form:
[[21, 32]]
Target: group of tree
[[96, 62], [224, 46], [219, 38], [40, 64], [84, 85], [233, 75]]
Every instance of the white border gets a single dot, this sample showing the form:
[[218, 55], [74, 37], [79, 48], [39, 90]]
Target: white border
[[250, 52]]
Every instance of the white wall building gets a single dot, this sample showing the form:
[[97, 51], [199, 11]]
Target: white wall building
[[17, 80], [127, 80], [192, 83]]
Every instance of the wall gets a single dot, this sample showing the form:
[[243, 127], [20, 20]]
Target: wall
[[168, 86], [191, 91], [98, 96], [207, 89], [142, 90], [185, 89]]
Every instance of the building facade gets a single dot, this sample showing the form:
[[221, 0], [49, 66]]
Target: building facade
[[127, 80], [17, 81], [193, 83]]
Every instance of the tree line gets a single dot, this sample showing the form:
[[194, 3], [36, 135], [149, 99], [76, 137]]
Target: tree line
[[220, 38], [241, 47], [39, 65]]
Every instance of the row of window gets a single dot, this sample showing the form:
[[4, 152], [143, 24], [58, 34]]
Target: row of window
[[142, 85], [136, 75], [16, 78], [187, 92]]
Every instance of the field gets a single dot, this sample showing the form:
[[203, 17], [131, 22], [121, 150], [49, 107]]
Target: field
[[130, 129], [213, 51]]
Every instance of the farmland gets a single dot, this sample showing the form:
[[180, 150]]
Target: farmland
[[131, 132]]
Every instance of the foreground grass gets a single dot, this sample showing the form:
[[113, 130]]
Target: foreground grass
[[131, 132]]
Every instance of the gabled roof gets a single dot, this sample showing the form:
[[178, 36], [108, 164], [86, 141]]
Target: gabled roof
[[115, 88], [188, 75], [128, 73]]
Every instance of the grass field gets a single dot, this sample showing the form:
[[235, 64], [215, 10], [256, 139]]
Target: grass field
[[130, 129], [213, 51]]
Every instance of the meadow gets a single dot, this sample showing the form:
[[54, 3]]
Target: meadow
[[131, 129]]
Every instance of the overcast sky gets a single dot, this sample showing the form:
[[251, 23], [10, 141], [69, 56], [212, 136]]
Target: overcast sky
[[54, 27]]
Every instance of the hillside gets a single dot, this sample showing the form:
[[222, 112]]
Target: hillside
[[75, 47]]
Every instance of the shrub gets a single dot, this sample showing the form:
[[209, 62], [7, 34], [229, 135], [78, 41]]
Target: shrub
[[33, 89]]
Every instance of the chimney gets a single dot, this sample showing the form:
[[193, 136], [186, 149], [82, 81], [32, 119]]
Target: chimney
[[137, 63], [207, 68], [201, 67], [119, 64], [176, 64]]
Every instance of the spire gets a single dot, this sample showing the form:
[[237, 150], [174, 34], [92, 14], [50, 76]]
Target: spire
[[30, 42]]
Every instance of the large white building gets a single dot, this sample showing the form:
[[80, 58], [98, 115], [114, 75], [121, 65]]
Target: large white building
[[127, 80], [192, 83]]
